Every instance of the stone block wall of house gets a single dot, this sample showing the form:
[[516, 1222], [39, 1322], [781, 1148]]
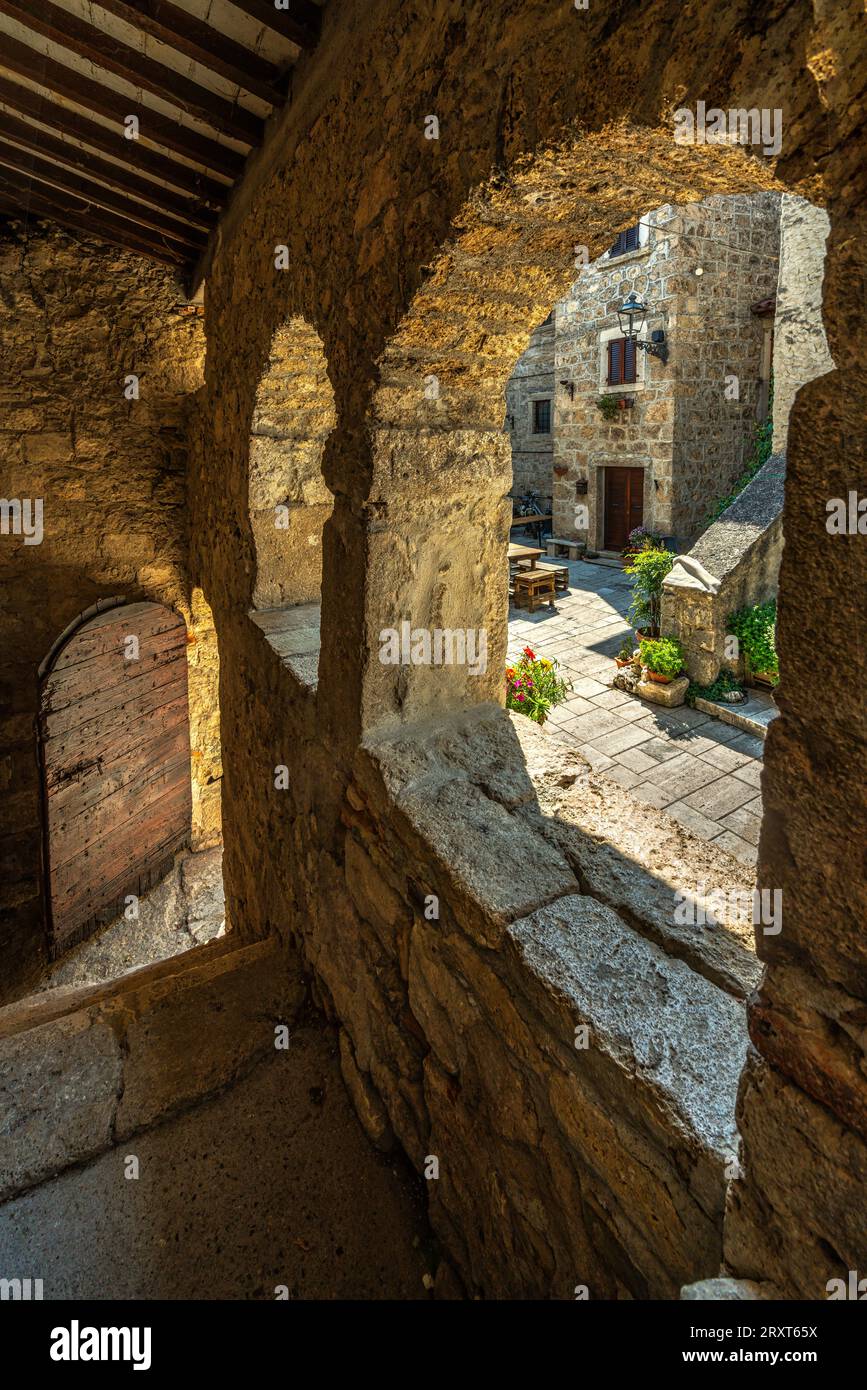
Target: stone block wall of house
[[681, 427], [110, 471], [532, 380], [743, 548], [717, 345]]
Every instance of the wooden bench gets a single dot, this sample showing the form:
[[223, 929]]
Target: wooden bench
[[533, 589], [560, 573], [556, 545]]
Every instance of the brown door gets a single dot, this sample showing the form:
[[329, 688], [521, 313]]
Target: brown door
[[624, 505], [115, 735]]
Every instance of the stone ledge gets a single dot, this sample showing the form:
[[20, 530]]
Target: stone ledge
[[583, 1142], [293, 634], [502, 771], [671, 1031], [725, 1290], [81, 1069]]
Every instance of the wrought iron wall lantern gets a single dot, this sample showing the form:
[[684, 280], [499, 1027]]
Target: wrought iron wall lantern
[[632, 317], [570, 387]]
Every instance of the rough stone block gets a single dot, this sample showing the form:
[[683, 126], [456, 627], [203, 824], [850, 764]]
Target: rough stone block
[[192, 1033], [59, 1085], [670, 695]]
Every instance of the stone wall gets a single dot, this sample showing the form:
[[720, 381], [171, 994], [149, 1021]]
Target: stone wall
[[800, 345], [735, 241], [532, 379], [485, 932], [682, 427], [289, 502], [80, 318], [431, 265], [82, 1070], [741, 552]]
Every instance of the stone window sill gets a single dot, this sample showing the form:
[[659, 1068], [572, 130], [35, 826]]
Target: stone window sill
[[611, 262], [293, 633], [549, 922]]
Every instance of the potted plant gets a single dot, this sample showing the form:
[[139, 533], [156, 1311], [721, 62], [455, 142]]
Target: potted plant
[[624, 656], [641, 539], [650, 568], [533, 686], [607, 406], [663, 657]]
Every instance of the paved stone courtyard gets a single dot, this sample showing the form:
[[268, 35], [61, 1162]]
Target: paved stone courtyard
[[704, 773]]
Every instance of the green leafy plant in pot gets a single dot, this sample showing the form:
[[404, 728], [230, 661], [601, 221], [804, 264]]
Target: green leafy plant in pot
[[663, 657], [649, 568], [607, 406]]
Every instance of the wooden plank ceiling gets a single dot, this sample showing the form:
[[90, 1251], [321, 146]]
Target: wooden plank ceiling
[[201, 77]]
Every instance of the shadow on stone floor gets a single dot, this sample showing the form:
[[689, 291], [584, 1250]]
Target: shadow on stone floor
[[271, 1183]]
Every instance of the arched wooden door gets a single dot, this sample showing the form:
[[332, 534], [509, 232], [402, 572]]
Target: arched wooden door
[[115, 749]]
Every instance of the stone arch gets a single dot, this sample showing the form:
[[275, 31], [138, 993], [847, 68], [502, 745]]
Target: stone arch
[[441, 461], [289, 502]]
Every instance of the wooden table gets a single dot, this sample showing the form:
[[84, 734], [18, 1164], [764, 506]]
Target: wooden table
[[536, 519], [525, 552]]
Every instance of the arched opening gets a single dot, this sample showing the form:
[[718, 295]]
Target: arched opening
[[654, 450], [126, 800], [443, 473], [289, 502]]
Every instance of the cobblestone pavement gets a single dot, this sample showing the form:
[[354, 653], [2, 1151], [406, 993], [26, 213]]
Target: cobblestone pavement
[[704, 773]]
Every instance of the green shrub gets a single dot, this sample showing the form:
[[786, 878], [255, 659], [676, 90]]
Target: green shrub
[[650, 568], [662, 654], [755, 630]]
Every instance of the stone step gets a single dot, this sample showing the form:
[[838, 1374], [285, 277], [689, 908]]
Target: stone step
[[754, 716]]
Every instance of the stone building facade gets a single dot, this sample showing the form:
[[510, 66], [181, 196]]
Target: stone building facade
[[414, 258], [530, 415], [686, 426]]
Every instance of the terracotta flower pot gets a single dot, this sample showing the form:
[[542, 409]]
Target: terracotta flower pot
[[660, 680]]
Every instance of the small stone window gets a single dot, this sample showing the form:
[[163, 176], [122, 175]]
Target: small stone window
[[626, 241], [542, 417], [621, 362]]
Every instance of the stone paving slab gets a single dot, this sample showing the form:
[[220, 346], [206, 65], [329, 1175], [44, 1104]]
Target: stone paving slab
[[702, 772]]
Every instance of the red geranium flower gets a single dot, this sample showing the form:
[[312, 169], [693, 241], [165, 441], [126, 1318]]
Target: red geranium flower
[[528, 652]]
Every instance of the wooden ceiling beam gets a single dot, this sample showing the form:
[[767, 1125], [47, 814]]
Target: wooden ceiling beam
[[77, 36], [98, 225], [93, 96], [136, 155], [300, 22], [186, 34], [115, 175], [14, 160]]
